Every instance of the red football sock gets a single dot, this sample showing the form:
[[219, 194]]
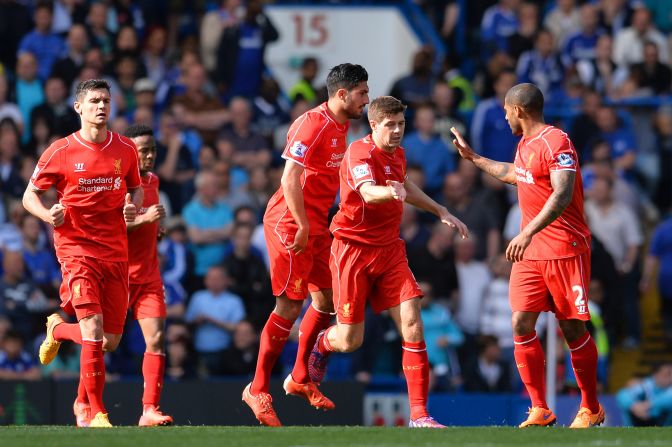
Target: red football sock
[[311, 325], [153, 366], [93, 373], [324, 347], [273, 339], [415, 364], [68, 331], [81, 392], [531, 367], [584, 361]]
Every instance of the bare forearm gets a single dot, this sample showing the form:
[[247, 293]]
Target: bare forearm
[[417, 197], [650, 267], [33, 204], [137, 197], [375, 194], [208, 236], [140, 220], [631, 255], [552, 209], [500, 170], [293, 193], [494, 243]]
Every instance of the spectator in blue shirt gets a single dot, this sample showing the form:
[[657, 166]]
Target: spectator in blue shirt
[[490, 133], [660, 259], [581, 45], [426, 148], [416, 88], [41, 263], [208, 223], [498, 24], [214, 312], [45, 45], [648, 402], [29, 92], [442, 336], [542, 66], [620, 137], [15, 363]]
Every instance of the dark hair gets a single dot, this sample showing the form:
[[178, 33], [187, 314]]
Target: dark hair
[[385, 106], [656, 367], [13, 334], [241, 209], [138, 130], [485, 341], [88, 85], [309, 60], [43, 4], [528, 97], [346, 76]]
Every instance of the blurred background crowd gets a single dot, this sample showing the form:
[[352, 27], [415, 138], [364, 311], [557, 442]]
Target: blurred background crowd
[[194, 71]]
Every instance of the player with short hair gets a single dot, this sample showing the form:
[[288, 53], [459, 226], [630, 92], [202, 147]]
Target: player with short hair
[[95, 173], [146, 295], [551, 254], [298, 240], [368, 258]]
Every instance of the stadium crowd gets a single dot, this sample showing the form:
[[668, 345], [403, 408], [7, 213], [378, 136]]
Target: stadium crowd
[[195, 73]]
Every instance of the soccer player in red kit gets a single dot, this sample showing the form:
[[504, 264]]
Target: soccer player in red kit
[[368, 258], [146, 297], [551, 255], [95, 173], [298, 240]]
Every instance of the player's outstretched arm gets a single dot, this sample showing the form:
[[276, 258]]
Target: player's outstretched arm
[[380, 194], [417, 197], [562, 183], [499, 170], [32, 202]]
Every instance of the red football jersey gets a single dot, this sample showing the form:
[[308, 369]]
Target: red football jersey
[[371, 224], [143, 260], [91, 181], [316, 142], [536, 157]]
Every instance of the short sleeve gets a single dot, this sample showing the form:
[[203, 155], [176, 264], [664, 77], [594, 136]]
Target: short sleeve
[[358, 165], [133, 174], [48, 171], [560, 154], [303, 136]]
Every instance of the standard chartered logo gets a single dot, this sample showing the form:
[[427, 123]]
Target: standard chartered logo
[[98, 184]]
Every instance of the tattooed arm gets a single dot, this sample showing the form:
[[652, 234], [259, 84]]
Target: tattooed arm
[[562, 183], [499, 170]]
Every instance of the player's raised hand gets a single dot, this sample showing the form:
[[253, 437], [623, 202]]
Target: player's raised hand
[[454, 222], [155, 212], [397, 190], [462, 146], [57, 214], [300, 240], [130, 210], [517, 246]]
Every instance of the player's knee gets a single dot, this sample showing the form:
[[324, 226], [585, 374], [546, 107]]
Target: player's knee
[[110, 344], [288, 309], [352, 342], [521, 324], [412, 328], [572, 329], [155, 342]]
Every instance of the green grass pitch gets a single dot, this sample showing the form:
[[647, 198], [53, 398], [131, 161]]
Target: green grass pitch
[[57, 436]]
